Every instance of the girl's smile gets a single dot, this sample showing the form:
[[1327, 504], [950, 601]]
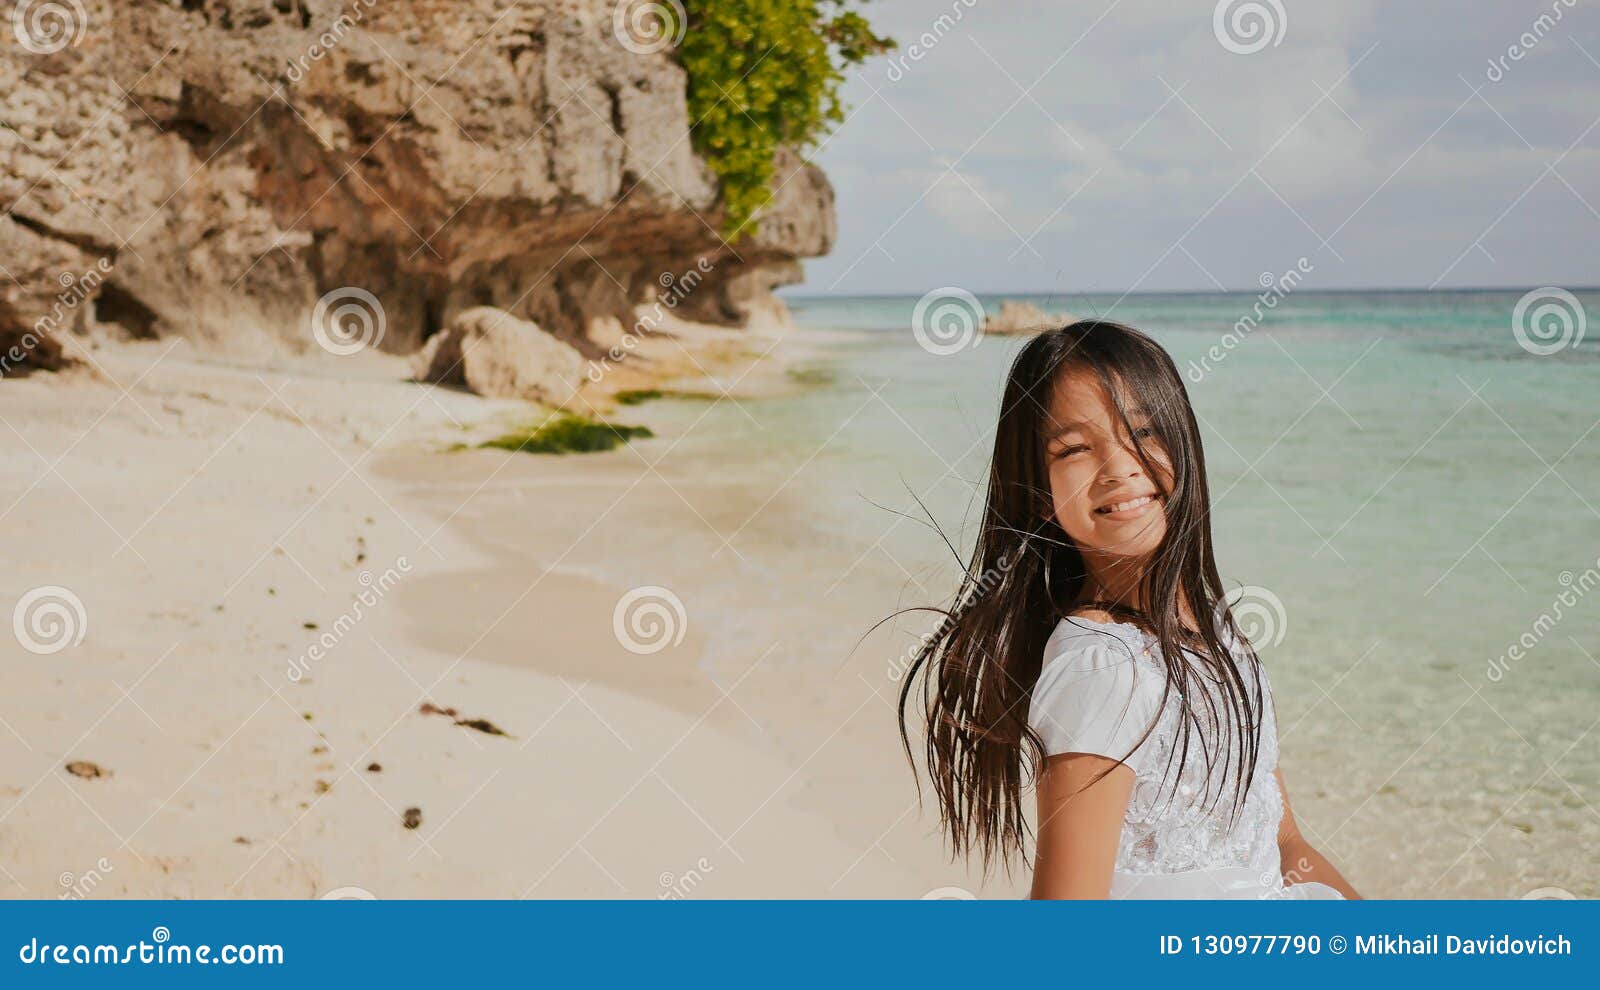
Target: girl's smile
[[1132, 508]]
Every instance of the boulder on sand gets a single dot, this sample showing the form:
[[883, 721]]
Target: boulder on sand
[[490, 352], [1021, 317]]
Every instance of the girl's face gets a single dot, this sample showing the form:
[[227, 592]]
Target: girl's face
[[1104, 498]]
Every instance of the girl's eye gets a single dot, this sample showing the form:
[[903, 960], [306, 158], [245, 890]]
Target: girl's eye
[[1145, 432], [1074, 449]]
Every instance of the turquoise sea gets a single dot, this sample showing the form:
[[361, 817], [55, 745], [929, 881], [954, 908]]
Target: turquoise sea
[[1412, 493]]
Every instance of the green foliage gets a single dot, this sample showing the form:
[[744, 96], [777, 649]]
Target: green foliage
[[566, 432], [639, 396], [763, 74]]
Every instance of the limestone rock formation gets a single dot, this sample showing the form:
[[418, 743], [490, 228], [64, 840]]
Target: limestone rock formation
[[226, 163], [1021, 317], [493, 353]]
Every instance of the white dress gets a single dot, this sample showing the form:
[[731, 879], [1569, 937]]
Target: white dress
[[1098, 691]]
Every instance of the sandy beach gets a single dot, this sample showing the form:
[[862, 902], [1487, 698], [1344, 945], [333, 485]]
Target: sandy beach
[[278, 568]]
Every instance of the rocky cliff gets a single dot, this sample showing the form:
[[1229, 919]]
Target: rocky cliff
[[213, 168]]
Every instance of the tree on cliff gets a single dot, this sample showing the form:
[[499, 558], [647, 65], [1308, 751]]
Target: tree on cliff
[[763, 74]]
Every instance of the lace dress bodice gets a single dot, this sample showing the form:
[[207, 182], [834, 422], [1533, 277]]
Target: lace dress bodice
[[1099, 690]]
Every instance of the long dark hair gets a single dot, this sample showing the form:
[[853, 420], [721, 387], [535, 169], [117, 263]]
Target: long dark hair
[[977, 669]]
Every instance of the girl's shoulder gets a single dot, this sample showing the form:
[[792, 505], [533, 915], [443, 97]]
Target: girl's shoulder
[[1099, 688], [1092, 631]]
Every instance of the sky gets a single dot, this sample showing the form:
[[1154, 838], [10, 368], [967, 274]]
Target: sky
[[1122, 145]]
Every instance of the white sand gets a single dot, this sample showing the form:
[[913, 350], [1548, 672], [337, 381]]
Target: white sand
[[204, 513]]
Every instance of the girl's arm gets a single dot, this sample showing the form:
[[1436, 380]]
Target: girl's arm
[[1080, 824], [1301, 861]]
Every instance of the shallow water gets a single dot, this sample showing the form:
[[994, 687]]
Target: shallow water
[[1405, 489]]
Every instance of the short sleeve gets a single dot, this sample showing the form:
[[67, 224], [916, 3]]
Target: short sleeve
[[1092, 697]]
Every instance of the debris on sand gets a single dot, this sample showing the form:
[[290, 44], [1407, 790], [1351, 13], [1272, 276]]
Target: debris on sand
[[481, 724]]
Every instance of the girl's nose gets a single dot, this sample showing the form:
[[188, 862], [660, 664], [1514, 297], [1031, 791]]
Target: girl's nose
[[1120, 466]]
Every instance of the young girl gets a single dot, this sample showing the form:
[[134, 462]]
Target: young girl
[[1091, 654]]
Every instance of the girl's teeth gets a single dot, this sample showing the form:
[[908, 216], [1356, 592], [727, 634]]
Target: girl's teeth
[[1124, 506]]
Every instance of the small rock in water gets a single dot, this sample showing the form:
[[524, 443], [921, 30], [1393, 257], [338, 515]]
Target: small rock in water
[[323, 787], [374, 768], [429, 708], [412, 817], [86, 770]]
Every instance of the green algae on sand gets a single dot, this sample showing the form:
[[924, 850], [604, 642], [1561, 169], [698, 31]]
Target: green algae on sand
[[567, 433]]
